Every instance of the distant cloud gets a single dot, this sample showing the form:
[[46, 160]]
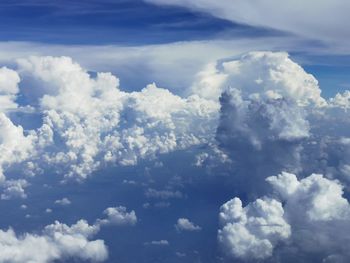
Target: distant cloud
[[158, 243], [163, 194], [118, 216], [183, 224], [64, 201]]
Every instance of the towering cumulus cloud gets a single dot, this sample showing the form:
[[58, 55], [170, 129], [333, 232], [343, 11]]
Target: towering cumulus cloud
[[272, 120]]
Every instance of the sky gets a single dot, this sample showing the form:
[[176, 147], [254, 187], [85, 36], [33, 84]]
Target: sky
[[174, 131]]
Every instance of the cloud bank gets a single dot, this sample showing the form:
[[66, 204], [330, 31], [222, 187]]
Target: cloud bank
[[260, 115]]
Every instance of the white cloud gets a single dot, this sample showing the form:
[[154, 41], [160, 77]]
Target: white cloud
[[95, 122], [263, 74], [310, 216], [162, 242], [118, 216], [57, 242], [251, 232], [64, 201], [9, 80], [163, 194], [183, 224], [14, 189]]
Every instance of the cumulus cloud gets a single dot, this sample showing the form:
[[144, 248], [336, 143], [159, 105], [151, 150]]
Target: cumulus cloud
[[263, 74], [92, 121], [273, 118], [56, 242], [268, 105], [64, 201], [162, 242], [15, 146], [306, 218], [262, 113], [163, 194], [184, 224], [9, 80], [251, 232], [59, 241], [14, 189], [118, 216]]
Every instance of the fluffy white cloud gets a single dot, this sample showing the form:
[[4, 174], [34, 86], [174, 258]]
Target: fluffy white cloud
[[251, 232], [90, 121], [260, 74], [9, 80], [310, 215], [15, 147], [261, 136], [14, 188], [183, 224], [59, 241], [118, 216]]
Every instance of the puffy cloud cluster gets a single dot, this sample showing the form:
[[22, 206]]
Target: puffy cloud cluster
[[262, 114], [274, 119], [308, 220], [59, 241], [253, 231], [90, 120], [14, 188]]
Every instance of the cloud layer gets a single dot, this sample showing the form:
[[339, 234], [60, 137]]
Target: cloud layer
[[319, 20]]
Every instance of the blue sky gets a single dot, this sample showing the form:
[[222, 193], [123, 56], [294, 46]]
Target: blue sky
[[174, 131], [111, 22]]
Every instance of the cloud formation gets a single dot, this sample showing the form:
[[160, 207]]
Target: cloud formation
[[184, 224], [307, 218], [59, 241], [89, 121]]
